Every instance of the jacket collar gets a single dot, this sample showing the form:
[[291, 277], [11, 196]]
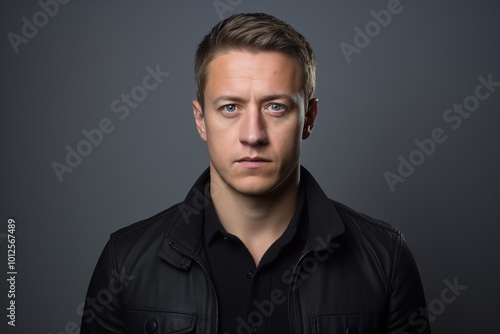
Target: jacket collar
[[183, 241]]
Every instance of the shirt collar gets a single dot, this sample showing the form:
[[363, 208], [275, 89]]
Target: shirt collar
[[213, 229]]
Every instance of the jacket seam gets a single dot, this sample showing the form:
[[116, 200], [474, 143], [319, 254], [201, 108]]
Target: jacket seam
[[114, 267], [396, 260], [398, 243], [113, 260]]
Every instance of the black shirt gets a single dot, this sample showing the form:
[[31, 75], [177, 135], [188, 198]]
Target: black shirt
[[253, 299]]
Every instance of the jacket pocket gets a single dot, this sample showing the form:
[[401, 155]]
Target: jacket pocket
[[155, 322], [352, 323]]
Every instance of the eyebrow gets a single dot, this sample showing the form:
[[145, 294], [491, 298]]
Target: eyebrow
[[231, 98]]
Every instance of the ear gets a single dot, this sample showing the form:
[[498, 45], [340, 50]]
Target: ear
[[310, 117], [199, 119]]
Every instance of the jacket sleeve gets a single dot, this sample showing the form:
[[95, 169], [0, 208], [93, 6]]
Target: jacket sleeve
[[102, 310], [407, 307]]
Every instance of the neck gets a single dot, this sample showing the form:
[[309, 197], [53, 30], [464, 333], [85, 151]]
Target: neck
[[257, 220]]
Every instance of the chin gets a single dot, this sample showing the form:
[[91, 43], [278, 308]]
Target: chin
[[255, 186]]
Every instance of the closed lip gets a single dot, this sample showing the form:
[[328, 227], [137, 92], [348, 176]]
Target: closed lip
[[253, 159]]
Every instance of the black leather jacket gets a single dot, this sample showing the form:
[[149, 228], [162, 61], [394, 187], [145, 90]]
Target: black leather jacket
[[355, 275]]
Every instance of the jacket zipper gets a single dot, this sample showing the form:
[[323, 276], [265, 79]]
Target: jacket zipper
[[295, 276], [209, 279]]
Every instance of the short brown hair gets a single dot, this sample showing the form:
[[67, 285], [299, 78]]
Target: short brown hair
[[254, 32]]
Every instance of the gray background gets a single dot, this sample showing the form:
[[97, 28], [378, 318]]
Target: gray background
[[371, 111]]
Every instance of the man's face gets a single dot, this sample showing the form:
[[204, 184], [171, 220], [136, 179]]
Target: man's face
[[254, 120]]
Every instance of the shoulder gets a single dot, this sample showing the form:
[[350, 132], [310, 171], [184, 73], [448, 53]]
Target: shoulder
[[368, 237], [364, 221], [147, 231], [368, 233]]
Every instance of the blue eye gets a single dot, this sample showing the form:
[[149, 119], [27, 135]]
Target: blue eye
[[276, 107], [230, 108]]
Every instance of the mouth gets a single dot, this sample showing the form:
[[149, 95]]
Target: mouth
[[253, 162]]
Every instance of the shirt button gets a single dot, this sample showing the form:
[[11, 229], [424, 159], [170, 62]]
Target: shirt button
[[259, 278], [250, 274], [255, 329], [224, 238], [151, 326]]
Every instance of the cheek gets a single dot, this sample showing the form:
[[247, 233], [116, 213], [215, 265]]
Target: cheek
[[215, 146], [219, 144], [288, 141]]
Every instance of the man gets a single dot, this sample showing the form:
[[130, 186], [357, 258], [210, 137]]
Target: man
[[256, 246]]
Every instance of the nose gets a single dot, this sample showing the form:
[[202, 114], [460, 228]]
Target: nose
[[253, 128]]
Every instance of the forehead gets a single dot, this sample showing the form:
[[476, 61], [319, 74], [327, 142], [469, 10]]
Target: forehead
[[244, 71]]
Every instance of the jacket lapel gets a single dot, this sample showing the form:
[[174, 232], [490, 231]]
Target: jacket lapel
[[325, 223], [183, 242]]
